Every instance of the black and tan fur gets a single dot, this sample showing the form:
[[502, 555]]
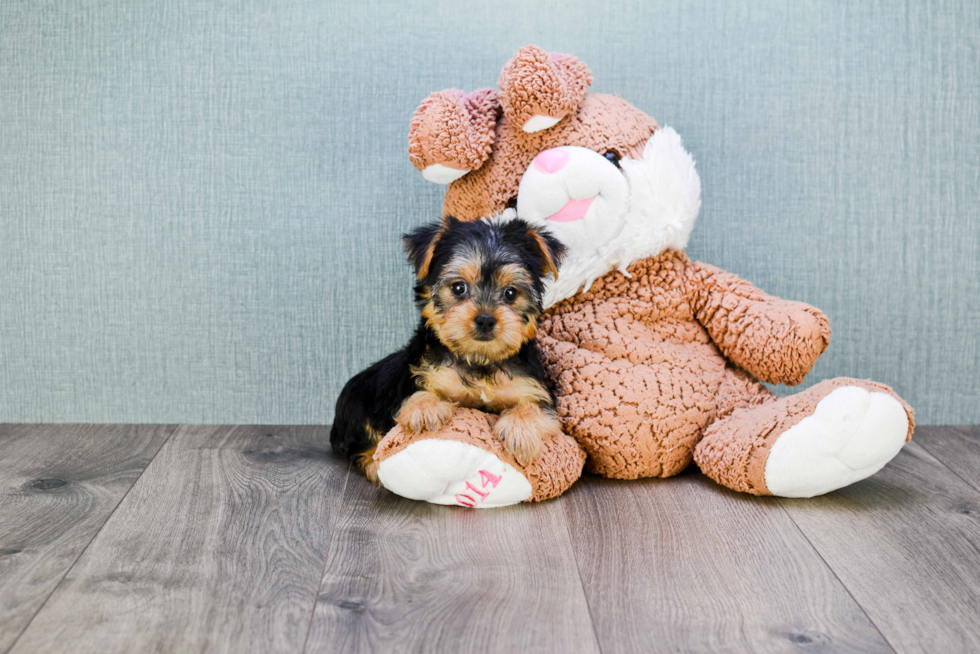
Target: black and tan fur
[[479, 291]]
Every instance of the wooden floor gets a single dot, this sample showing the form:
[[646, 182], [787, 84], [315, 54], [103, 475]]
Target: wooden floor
[[238, 539]]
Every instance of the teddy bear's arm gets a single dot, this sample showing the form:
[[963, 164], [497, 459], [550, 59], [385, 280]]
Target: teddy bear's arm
[[776, 340]]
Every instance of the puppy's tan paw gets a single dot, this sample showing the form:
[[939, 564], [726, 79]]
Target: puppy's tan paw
[[371, 472], [366, 463], [424, 411], [523, 429]]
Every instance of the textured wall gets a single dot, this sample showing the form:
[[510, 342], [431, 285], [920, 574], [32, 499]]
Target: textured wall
[[200, 202]]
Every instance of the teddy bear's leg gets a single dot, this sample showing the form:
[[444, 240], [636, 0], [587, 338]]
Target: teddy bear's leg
[[464, 464], [829, 436]]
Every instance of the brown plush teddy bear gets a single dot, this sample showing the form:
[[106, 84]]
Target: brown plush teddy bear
[[657, 359]]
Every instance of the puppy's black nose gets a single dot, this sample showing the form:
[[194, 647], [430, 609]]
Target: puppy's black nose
[[485, 322]]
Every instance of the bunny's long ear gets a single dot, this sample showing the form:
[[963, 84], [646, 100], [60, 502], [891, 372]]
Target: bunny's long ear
[[452, 133], [538, 88]]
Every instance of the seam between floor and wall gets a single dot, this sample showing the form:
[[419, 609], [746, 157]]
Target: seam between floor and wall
[[834, 572], [95, 535], [326, 557], [578, 573]]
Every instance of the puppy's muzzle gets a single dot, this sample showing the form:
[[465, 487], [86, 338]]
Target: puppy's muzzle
[[483, 325]]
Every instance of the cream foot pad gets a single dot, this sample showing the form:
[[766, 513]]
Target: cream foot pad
[[463, 464]]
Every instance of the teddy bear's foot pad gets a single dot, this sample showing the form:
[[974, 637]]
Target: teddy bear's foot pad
[[452, 472], [851, 434]]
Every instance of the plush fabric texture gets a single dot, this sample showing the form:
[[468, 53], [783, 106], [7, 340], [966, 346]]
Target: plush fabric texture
[[454, 129], [735, 449], [641, 373], [849, 435], [538, 83], [658, 360], [649, 364], [551, 474], [602, 123], [454, 473], [775, 340]]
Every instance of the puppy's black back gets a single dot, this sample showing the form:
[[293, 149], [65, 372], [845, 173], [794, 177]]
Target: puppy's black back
[[372, 397]]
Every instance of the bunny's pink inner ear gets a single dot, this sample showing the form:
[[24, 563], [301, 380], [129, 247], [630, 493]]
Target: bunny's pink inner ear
[[452, 133], [538, 88]]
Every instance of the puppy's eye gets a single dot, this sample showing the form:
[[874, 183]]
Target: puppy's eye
[[612, 158], [512, 203], [510, 294], [458, 289]]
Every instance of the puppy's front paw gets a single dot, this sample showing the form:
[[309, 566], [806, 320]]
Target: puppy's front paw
[[424, 411], [522, 430], [370, 468]]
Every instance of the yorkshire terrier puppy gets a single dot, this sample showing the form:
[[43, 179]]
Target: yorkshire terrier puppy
[[479, 290]]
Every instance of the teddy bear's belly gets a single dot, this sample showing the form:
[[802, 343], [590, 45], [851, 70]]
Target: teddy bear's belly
[[637, 399]]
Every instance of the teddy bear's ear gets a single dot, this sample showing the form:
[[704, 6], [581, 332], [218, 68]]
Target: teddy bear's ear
[[538, 88], [452, 133]]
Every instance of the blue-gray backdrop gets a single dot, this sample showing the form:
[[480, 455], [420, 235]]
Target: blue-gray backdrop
[[200, 202]]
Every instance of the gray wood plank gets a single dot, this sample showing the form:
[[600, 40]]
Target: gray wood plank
[[219, 547], [58, 486], [958, 448], [906, 544], [407, 576], [682, 564]]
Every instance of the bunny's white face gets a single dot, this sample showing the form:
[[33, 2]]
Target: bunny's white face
[[581, 196], [609, 212]]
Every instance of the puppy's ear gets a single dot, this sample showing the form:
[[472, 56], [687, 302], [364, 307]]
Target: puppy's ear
[[420, 245], [549, 248]]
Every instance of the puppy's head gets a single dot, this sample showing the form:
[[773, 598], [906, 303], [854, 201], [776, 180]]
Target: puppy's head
[[480, 283]]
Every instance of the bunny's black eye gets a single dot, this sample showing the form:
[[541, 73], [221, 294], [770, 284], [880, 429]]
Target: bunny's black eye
[[458, 289], [510, 294], [612, 158]]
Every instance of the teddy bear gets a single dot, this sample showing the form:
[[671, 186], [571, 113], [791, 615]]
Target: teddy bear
[[658, 361]]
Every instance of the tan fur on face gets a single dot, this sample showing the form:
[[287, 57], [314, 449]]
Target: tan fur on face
[[424, 411], [465, 265], [455, 330], [511, 274], [454, 325], [468, 270], [523, 428], [516, 276], [497, 393]]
